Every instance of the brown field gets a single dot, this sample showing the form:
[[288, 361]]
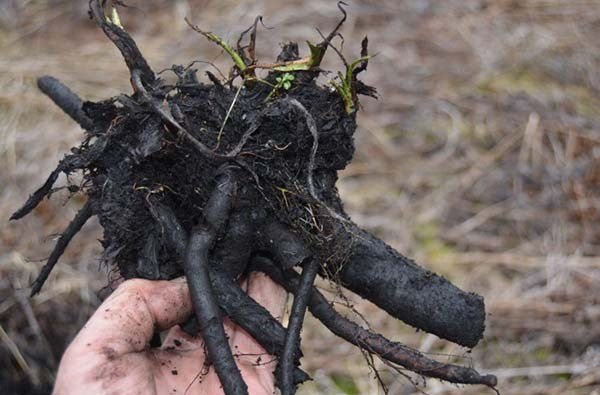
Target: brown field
[[481, 160]]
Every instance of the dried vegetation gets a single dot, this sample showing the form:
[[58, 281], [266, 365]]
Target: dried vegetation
[[481, 159]]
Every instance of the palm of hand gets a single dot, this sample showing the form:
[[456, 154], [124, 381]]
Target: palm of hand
[[111, 354]]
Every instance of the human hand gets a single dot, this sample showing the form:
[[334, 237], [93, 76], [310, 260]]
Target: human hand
[[111, 354]]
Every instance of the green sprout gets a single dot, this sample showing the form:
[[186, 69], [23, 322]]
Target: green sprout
[[345, 86], [284, 82], [247, 71], [237, 59], [115, 19]]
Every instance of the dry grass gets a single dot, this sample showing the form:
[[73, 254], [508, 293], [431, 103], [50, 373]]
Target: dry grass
[[481, 160]]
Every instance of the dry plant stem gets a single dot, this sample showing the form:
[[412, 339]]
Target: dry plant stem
[[252, 43], [123, 41], [63, 241], [364, 53], [333, 33], [65, 99], [16, 353], [372, 342], [292, 338]]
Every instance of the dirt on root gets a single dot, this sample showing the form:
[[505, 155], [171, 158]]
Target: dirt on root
[[132, 160], [434, 175]]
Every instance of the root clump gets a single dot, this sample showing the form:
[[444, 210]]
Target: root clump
[[212, 180]]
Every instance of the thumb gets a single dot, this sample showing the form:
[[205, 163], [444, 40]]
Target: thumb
[[125, 322]]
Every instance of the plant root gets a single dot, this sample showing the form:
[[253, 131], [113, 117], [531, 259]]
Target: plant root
[[75, 226], [409, 292], [207, 312], [67, 165], [235, 303], [196, 266], [369, 341], [166, 162], [65, 99], [36, 197], [292, 339], [285, 246]]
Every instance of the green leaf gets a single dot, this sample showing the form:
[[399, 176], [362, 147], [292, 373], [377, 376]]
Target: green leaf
[[357, 61], [287, 85]]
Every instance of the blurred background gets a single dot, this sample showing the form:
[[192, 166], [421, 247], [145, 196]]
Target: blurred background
[[481, 160]]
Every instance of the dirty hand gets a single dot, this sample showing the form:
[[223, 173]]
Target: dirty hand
[[111, 354]]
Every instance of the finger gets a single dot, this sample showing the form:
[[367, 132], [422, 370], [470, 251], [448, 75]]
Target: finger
[[125, 322], [267, 293], [272, 297]]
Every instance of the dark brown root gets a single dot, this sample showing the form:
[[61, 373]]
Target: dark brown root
[[63, 241], [250, 316], [67, 165], [285, 246], [147, 163], [196, 268], [409, 292], [369, 341], [207, 311], [218, 208], [292, 339], [36, 197], [65, 99], [239, 307]]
